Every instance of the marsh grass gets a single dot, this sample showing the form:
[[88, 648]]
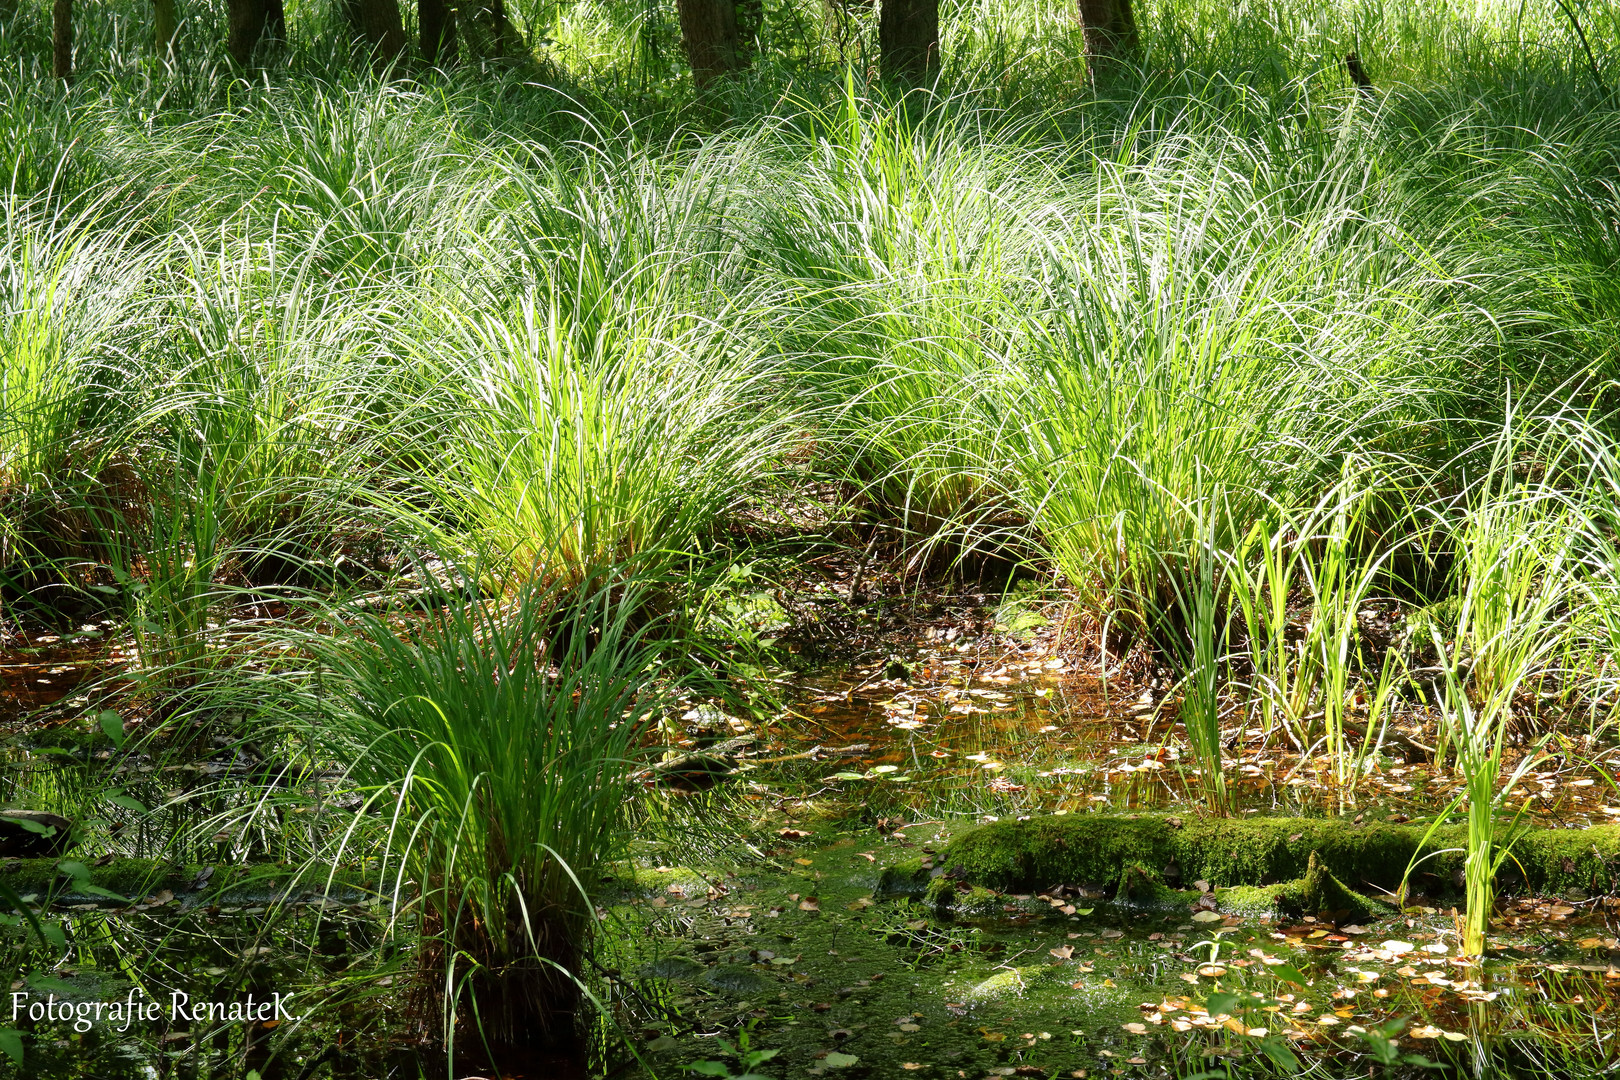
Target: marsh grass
[[498, 738], [1221, 345]]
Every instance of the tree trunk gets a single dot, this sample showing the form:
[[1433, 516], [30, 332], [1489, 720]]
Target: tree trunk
[[709, 29], [62, 40], [1110, 29], [487, 32], [437, 23], [275, 20], [377, 25], [165, 24], [244, 26], [908, 40]]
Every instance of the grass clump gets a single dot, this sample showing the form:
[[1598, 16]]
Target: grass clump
[[498, 739]]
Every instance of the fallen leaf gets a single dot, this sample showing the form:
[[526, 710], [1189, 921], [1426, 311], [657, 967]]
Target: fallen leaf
[[1206, 917], [835, 1060]]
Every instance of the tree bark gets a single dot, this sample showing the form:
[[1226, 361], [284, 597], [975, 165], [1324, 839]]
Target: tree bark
[[709, 30], [1110, 29], [377, 25], [908, 40], [275, 20], [487, 32], [62, 40], [244, 26], [165, 25], [1358, 75], [437, 24]]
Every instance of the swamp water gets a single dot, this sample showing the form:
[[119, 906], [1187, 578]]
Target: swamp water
[[780, 918]]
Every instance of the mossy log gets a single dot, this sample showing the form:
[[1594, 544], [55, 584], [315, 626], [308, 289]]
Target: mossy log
[[1099, 849]]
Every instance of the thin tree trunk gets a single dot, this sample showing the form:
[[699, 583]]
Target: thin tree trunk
[[244, 26], [165, 25], [1358, 75], [709, 29], [377, 25], [62, 40], [437, 23], [1110, 29], [487, 32], [908, 39]]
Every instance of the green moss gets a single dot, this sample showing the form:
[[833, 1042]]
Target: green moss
[[1140, 887], [907, 878], [1093, 849], [1254, 900], [1042, 851]]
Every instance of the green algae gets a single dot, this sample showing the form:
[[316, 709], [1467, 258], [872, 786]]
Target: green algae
[[739, 980], [1018, 981], [136, 879], [675, 968]]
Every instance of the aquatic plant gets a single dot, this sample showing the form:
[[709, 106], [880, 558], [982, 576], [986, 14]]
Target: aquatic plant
[[1518, 542], [498, 737]]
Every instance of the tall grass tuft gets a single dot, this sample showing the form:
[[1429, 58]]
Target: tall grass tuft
[[499, 738], [1519, 545]]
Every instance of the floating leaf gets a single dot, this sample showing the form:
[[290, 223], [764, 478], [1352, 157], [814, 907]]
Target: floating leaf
[[836, 1060], [1206, 917], [1287, 973], [113, 727]]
